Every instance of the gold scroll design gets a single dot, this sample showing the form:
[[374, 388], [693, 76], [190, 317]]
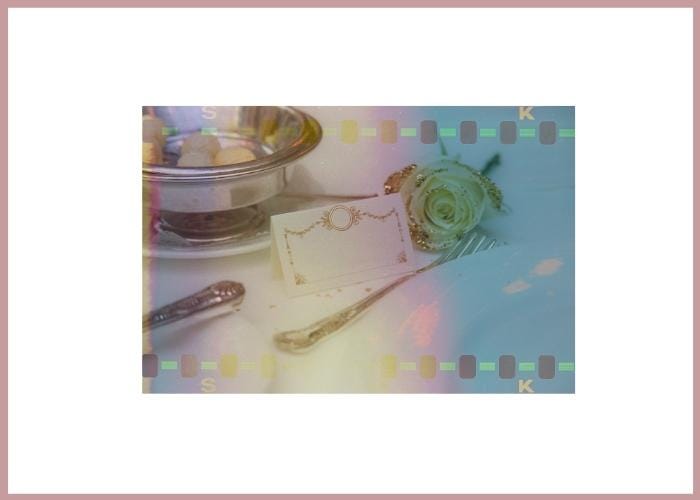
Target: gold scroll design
[[326, 221]]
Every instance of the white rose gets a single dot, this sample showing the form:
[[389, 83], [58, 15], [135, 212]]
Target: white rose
[[445, 200]]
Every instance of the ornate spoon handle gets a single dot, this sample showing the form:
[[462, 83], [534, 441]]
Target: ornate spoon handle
[[208, 302], [303, 339], [299, 341]]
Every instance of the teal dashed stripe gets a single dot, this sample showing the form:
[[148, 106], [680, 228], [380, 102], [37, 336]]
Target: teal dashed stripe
[[368, 132], [409, 366], [525, 132], [169, 131], [566, 132], [209, 131]]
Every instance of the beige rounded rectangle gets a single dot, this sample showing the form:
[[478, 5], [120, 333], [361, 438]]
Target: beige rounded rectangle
[[188, 365], [268, 365], [388, 131], [428, 366]]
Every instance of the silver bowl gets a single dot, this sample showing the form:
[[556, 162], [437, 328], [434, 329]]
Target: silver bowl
[[211, 203]]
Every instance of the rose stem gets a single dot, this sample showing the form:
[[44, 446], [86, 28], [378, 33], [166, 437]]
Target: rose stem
[[494, 161]]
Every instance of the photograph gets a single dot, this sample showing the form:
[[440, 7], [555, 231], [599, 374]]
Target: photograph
[[360, 249]]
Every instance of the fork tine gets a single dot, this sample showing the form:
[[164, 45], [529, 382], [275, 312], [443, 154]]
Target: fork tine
[[459, 251], [478, 245], [456, 249], [468, 249], [464, 246], [443, 258]]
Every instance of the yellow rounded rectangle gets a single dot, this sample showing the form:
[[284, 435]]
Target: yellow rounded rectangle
[[349, 131], [228, 365], [389, 366], [268, 365]]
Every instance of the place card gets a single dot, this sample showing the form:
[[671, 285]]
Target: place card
[[340, 244]]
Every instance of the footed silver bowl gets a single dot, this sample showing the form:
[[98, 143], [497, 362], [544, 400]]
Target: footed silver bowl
[[215, 203]]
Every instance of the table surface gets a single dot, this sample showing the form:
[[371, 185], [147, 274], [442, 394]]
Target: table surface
[[516, 300]]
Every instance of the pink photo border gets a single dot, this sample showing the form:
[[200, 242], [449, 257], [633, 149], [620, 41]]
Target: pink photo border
[[7, 4]]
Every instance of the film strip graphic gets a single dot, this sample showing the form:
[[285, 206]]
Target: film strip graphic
[[467, 366], [468, 132], [428, 131]]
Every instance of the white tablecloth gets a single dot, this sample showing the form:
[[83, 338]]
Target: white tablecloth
[[490, 304]]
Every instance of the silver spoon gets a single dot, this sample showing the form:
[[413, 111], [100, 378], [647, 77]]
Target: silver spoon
[[215, 300]]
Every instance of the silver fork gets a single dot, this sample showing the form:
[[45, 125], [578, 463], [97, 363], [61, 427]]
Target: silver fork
[[303, 339]]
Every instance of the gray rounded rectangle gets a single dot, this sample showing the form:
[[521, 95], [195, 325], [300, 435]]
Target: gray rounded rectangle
[[149, 365], [467, 132], [508, 132], [506, 366], [428, 131], [548, 132], [546, 366], [467, 366]]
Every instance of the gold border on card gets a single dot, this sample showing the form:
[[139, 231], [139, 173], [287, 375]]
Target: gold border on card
[[355, 217]]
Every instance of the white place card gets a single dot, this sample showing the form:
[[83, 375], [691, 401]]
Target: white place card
[[340, 244]]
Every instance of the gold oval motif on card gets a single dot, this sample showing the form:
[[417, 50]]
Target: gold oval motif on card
[[332, 221]]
